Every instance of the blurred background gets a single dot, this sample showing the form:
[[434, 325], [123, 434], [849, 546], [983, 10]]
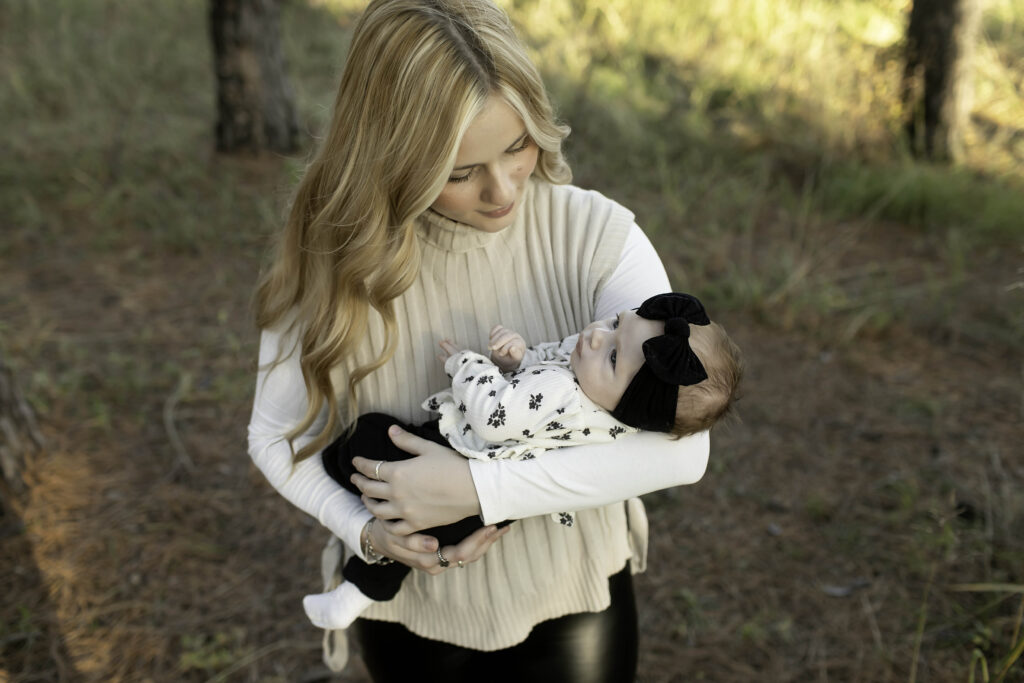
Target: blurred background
[[863, 522]]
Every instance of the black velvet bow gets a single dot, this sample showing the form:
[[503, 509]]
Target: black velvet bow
[[670, 356], [649, 401]]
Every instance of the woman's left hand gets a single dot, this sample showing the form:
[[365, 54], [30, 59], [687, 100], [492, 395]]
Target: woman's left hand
[[432, 489]]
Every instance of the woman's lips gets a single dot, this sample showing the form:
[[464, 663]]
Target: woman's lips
[[500, 212]]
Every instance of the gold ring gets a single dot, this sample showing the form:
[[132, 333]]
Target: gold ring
[[461, 565]]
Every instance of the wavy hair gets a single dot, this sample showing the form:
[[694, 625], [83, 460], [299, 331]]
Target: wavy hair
[[417, 73]]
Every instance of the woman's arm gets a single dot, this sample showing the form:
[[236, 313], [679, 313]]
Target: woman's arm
[[279, 404], [588, 476], [580, 477]]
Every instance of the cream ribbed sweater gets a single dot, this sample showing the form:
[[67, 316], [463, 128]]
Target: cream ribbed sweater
[[541, 276]]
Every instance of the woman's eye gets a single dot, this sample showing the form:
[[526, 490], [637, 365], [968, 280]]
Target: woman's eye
[[459, 179], [613, 356], [520, 148]]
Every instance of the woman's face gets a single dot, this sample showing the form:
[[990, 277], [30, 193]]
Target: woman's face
[[494, 160]]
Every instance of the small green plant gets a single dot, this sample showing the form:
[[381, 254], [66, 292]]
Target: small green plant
[[210, 652]]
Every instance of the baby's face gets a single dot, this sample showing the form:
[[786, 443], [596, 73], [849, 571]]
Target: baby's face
[[609, 353]]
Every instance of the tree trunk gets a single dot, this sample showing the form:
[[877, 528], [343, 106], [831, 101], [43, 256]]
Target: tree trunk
[[19, 434], [937, 82], [255, 102]]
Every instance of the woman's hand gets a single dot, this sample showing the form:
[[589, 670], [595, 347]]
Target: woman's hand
[[469, 549], [432, 489]]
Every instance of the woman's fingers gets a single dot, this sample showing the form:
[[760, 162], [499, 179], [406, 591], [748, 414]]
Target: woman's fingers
[[371, 469], [472, 547], [371, 487], [420, 551], [415, 550]]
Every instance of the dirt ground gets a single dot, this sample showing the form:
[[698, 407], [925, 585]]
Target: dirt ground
[[865, 480]]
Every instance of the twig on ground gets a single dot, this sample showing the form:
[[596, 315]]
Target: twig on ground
[[263, 652], [920, 624], [182, 459]]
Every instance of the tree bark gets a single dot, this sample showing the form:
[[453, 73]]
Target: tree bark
[[937, 78], [255, 101]]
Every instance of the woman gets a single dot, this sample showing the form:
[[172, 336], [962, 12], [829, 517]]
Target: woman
[[435, 207]]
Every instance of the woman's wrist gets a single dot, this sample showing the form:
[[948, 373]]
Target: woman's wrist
[[371, 555]]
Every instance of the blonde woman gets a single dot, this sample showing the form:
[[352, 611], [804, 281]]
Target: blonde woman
[[437, 205]]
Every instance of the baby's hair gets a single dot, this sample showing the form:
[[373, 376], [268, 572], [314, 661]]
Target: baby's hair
[[700, 406]]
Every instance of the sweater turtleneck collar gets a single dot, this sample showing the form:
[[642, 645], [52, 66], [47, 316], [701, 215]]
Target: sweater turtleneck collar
[[448, 235]]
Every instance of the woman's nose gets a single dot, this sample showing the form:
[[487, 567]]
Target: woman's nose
[[501, 190]]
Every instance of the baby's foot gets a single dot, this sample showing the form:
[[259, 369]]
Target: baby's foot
[[337, 609]]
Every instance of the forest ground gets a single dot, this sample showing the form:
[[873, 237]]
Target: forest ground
[[864, 520]]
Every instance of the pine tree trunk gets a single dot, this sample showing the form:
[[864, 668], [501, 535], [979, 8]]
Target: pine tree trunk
[[937, 81], [255, 102]]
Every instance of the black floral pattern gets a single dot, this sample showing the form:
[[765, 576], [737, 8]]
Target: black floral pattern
[[586, 431], [485, 379], [615, 431], [462, 407], [535, 401], [497, 418], [492, 393], [468, 379], [466, 429], [433, 404], [566, 519], [554, 426]]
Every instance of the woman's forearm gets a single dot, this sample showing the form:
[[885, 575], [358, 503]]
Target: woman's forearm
[[587, 476], [279, 404], [311, 489]]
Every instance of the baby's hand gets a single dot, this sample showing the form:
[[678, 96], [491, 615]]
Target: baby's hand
[[448, 349], [507, 348]]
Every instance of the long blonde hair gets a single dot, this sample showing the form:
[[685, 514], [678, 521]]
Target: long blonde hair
[[418, 72]]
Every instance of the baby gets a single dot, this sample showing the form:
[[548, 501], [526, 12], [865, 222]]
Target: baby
[[663, 367]]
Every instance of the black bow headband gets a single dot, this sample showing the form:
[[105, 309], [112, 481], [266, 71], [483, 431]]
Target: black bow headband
[[650, 399]]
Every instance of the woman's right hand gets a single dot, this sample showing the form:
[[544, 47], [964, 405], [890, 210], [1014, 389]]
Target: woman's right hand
[[420, 551]]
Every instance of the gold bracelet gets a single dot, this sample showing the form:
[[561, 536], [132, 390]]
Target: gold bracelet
[[371, 555]]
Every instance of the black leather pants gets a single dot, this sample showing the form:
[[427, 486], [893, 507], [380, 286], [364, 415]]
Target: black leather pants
[[589, 647]]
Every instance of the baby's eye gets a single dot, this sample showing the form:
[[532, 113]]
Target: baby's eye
[[615, 324], [612, 357]]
